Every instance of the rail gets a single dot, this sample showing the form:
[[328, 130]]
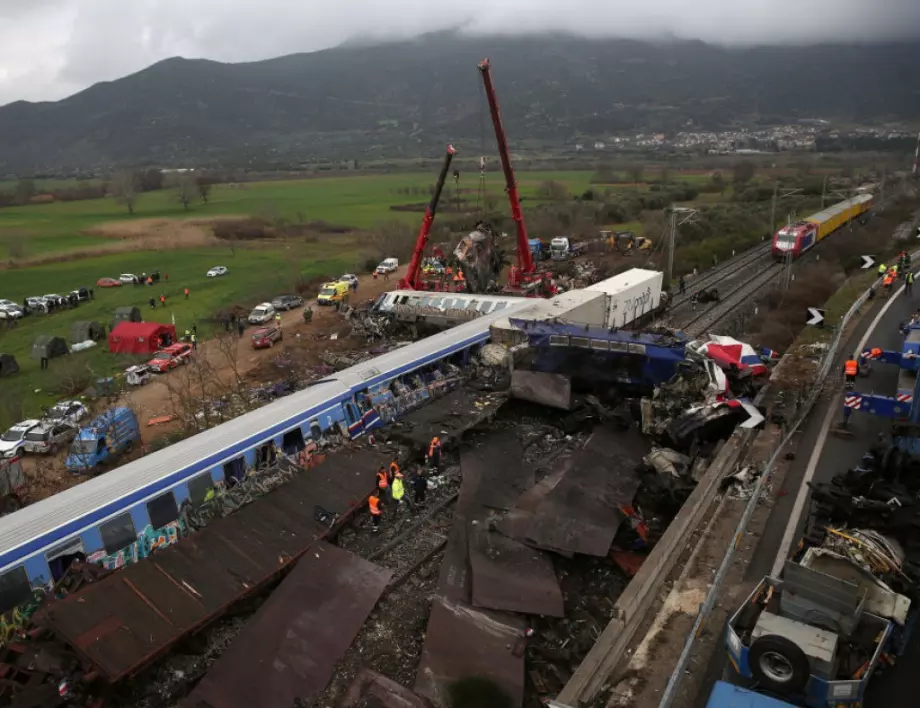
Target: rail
[[715, 275], [825, 367]]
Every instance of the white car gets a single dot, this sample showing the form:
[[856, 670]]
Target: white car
[[10, 312], [66, 412], [12, 442], [349, 278], [262, 314], [6, 303], [217, 271], [128, 278], [388, 265]]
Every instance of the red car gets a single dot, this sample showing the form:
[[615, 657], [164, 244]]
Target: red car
[[108, 283], [266, 337], [170, 357]]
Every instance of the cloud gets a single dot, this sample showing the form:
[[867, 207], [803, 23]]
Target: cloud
[[51, 48]]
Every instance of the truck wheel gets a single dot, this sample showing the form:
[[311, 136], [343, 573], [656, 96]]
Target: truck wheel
[[779, 664]]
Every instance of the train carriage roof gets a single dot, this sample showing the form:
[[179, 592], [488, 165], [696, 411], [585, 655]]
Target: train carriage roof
[[835, 209]]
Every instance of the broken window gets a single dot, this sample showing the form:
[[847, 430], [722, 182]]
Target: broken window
[[293, 441], [61, 556], [118, 533], [162, 510], [234, 470], [199, 486], [14, 588]]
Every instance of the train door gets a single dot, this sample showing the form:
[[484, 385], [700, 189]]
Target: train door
[[292, 442], [61, 557]]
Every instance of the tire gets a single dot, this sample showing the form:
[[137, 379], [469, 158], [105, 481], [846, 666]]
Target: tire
[[779, 665]]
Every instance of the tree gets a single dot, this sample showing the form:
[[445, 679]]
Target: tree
[[151, 180], [718, 181], [204, 187], [124, 189], [25, 190], [185, 189], [743, 172], [553, 191], [635, 174]]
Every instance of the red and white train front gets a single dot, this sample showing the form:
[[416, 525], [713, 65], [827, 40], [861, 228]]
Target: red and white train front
[[794, 239]]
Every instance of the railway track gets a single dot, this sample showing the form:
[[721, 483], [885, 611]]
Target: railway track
[[713, 276]]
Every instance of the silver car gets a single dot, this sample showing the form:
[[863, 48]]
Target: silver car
[[48, 438]]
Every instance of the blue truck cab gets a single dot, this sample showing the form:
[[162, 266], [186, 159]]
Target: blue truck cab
[[725, 695], [103, 440]]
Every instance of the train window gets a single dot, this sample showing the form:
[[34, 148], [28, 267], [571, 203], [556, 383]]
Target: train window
[[199, 486], [14, 588], [118, 533], [163, 510], [500, 306]]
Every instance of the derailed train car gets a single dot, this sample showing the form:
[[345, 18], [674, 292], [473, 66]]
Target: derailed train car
[[797, 238]]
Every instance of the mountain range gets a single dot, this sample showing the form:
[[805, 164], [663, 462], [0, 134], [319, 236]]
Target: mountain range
[[406, 99]]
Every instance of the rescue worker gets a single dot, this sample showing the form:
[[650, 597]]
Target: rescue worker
[[882, 269], [383, 481], [419, 485], [887, 282], [186, 293], [909, 283], [373, 504], [434, 453], [278, 320], [393, 471], [163, 300], [398, 492], [846, 416], [682, 285], [194, 341], [188, 335], [850, 370]]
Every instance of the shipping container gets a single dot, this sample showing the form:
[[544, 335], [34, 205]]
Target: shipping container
[[631, 296]]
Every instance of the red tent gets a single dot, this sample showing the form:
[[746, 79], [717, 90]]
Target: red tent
[[141, 337]]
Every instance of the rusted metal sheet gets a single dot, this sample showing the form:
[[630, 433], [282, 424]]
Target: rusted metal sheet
[[448, 417], [516, 523], [289, 650], [554, 390], [580, 514], [497, 460], [371, 690], [464, 642], [508, 575], [128, 619]]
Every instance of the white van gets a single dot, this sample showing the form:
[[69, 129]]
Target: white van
[[262, 314], [388, 265]]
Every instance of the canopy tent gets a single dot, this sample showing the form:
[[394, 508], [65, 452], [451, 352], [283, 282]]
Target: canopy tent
[[8, 365], [140, 337], [83, 330], [128, 314]]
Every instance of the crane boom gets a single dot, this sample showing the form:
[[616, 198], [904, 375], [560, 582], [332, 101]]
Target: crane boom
[[524, 259], [413, 278]]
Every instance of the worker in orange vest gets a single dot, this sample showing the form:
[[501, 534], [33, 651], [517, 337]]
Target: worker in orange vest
[[186, 293], [373, 503], [850, 370], [434, 453], [383, 481], [394, 472], [163, 300]]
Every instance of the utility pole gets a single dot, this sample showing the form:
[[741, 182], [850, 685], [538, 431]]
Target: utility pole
[[672, 236], [773, 208], [824, 193], [916, 157]]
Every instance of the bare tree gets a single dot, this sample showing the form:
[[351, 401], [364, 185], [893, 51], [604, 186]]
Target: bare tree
[[635, 173], [125, 188], [204, 185], [186, 189]]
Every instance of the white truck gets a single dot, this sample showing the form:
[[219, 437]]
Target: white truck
[[562, 247], [388, 265]]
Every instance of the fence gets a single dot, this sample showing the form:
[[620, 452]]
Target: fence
[[825, 367]]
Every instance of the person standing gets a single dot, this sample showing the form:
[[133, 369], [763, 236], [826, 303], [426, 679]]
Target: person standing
[[909, 283], [383, 482], [278, 320], [682, 284], [194, 341], [420, 486], [398, 491], [163, 300], [241, 327], [186, 293], [434, 453], [373, 503]]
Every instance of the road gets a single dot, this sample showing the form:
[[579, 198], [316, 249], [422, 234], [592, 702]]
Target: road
[[823, 455]]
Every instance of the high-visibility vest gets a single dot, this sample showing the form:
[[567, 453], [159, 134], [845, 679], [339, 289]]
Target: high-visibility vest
[[374, 504], [851, 368], [909, 278], [394, 470], [434, 447], [888, 280], [382, 481], [876, 353], [882, 268], [399, 490]]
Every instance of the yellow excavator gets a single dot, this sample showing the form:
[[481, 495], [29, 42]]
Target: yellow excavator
[[625, 241]]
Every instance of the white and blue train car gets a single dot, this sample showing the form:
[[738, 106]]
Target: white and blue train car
[[38, 542]]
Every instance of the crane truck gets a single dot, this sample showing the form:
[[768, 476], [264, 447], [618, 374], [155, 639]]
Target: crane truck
[[413, 279], [523, 277]]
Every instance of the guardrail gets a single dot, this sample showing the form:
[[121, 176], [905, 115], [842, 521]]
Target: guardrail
[[824, 369]]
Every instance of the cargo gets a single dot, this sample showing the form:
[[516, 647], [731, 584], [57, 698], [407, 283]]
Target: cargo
[[630, 296], [576, 306]]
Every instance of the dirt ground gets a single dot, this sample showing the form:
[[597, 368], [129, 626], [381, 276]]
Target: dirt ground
[[47, 475]]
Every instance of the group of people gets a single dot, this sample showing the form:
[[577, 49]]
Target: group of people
[[901, 269], [391, 484]]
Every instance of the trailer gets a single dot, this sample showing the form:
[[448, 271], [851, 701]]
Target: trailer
[[631, 297]]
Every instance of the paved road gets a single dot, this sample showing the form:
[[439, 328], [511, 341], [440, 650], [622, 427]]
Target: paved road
[[834, 455]]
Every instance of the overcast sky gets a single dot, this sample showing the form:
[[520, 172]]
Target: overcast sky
[[52, 48]]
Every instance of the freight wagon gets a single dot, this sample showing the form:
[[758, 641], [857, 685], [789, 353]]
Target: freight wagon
[[795, 239]]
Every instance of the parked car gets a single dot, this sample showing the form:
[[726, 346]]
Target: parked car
[[7, 302], [217, 271], [103, 440], [108, 283], [49, 437], [128, 278], [287, 302], [82, 294], [10, 312], [66, 412], [262, 313], [36, 304], [349, 278], [388, 265], [137, 375], [55, 300], [266, 337], [170, 357], [331, 293], [12, 443]]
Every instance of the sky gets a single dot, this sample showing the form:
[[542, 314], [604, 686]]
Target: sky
[[50, 49]]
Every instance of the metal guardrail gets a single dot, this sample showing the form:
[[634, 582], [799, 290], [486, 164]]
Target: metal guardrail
[[824, 369]]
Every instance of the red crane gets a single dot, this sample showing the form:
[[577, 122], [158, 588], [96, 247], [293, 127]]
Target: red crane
[[413, 279], [525, 267]]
